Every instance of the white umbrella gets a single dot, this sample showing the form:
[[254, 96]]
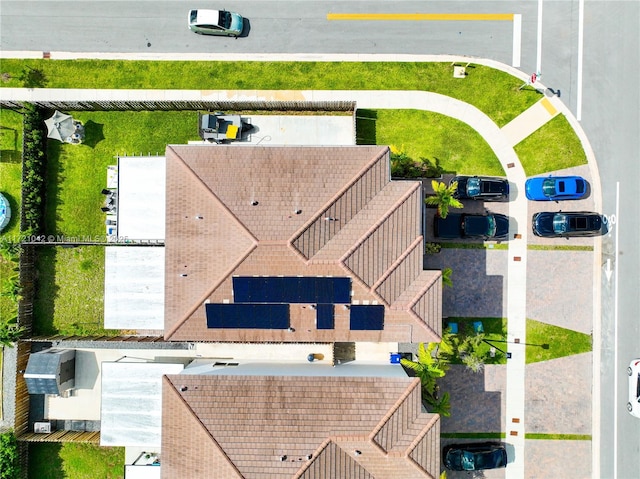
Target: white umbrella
[[60, 126]]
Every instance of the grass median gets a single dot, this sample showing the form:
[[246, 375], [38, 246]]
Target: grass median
[[492, 91]]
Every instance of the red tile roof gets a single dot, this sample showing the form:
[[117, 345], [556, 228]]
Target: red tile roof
[[295, 211], [296, 427]]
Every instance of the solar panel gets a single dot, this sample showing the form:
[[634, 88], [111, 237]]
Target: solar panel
[[291, 289], [247, 316], [366, 317], [325, 316]]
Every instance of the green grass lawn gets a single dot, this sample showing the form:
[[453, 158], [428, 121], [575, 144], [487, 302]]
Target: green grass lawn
[[70, 291], [77, 173], [494, 92], [10, 181], [76, 461], [11, 166], [553, 147], [561, 341], [452, 144], [75, 176]]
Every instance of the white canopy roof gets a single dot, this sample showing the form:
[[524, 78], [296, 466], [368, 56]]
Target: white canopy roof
[[141, 197], [132, 403], [134, 287]]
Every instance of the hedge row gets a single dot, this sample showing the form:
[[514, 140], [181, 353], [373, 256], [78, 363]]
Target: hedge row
[[34, 159]]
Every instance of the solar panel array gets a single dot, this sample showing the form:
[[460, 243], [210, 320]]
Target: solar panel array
[[263, 302], [291, 289], [247, 316]]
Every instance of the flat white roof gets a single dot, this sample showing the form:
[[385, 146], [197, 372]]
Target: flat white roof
[[134, 287], [141, 197], [221, 367], [131, 412], [142, 472]]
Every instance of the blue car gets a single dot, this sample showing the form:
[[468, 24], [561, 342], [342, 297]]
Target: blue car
[[555, 188]]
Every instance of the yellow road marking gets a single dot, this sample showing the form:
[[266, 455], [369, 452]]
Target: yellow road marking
[[422, 16], [548, 106]]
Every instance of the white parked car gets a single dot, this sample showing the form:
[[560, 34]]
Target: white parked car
[[215, 22], [634, 387]]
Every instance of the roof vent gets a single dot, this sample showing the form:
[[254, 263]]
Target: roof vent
[[357, 452], [297, 211], [283, 458], [254, 203], [309, 456], [183, 388]]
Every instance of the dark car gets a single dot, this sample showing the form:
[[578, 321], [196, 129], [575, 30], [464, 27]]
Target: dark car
[[462, 225], [569, 224], [474, 456], [555, 188], [481, 188]]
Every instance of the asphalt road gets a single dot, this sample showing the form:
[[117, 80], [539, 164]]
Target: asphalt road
[[601, 90]]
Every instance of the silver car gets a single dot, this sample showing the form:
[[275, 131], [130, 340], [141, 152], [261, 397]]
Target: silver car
[[215, 22]]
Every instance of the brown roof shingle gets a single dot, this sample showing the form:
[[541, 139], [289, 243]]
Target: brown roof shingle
[[295, 211], [285, 427]]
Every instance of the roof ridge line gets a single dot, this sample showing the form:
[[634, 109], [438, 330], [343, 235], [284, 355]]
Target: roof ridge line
[[432, 422], [410, 389], [421, 323], [192, 413], [362, 284], [414, 244], [426, 288], [379, 222], [215, 197], [434, 419], [178, 324], [315, 455], [384, 151]]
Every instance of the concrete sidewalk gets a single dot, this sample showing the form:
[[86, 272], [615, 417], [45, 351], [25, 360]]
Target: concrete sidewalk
[[501, 140]]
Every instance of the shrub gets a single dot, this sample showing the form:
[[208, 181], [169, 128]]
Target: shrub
[[432, 248], [9, 458], [402, 166]]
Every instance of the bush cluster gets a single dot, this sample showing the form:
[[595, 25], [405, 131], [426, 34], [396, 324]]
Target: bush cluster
[[403, 166], [33, 170], [9, 457]]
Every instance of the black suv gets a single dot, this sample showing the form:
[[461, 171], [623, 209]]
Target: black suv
[[481, 188], [491, 226], [561, 224]]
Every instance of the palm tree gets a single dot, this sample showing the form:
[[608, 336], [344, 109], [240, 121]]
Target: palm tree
[[443, 197], [440, 405], [446, 277], [466, 349], [428, 368]]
